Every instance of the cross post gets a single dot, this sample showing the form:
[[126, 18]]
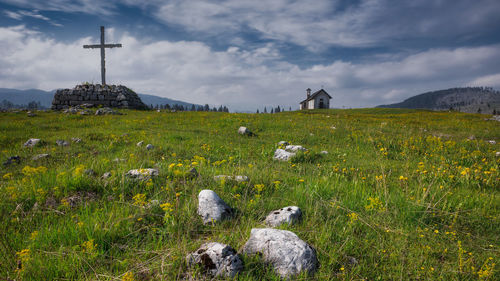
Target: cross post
[[102, 46]]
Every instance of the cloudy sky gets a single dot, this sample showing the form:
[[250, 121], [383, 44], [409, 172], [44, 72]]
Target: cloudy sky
[[248, 54]]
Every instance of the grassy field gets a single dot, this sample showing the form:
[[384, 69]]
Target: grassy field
[[411, 195]]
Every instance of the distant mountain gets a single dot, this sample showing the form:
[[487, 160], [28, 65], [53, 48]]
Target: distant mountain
[[468, 99], [154, 100], [23, 97]]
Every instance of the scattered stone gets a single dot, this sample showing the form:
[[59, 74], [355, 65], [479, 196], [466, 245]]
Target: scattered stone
[[283, 155], [142, 174], [11, 160], [216, 259], [89, 172], [79, 198], [149, 146], [212, 208], [32, 142], [472, 137], [333, 127], [492, 142], [30, 114], [40, 156], [62, 143], [85, 112], [245, 131], [283, 249], [283, 143], [352, 261], [193, 172], [289, 215], [238, 178], [107, 111], [294, 148], [497, 154], [76, 140], [106, 175], [324, 152], [71, 110], [119, 160], [223, 178], [153, 203], [495, 118], [140, 143]]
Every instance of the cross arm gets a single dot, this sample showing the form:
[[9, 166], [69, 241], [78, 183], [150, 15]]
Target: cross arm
[[101, 46]]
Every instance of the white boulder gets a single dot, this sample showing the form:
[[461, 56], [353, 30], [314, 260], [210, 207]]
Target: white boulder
[[289, 215], [211, 207], [32, 142], [142, 174], [288, 254], [283, 155], [216, 259]]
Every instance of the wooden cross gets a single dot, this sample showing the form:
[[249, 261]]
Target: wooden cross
[[102, 46]]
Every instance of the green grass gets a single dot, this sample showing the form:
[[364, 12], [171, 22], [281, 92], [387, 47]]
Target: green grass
[[404, 192]]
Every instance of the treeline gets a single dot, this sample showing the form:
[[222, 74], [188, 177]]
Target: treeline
[[5, 104], [180, 107], [277, 109]]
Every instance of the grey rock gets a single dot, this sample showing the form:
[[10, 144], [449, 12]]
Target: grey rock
[[212, 208], [283, 155], [140, 143], [216, 259], [142, 174], [288, 254], [497, 154], [289, 215], [241, 178], [89, 172], [244, 131], [492, 142], [106, 111], [30, 114], [153, 203], [238, 178], [495, 118], [116, 160], [149, 146], [40, 156], [222, 178], [193, 172], [295, 148], [106, 175], [324, 152], [283, 143], [76, 140], [32, 142], [62, 143], [11, 160]]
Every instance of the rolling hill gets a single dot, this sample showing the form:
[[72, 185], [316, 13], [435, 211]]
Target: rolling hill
[[468, 99]]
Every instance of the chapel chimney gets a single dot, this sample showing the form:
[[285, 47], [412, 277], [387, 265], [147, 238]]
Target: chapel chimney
[[308, 91]]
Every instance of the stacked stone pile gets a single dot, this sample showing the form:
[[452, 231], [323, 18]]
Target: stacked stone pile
[[95, 94]]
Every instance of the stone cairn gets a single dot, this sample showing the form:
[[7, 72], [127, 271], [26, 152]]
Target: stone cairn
[[95, 94]]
